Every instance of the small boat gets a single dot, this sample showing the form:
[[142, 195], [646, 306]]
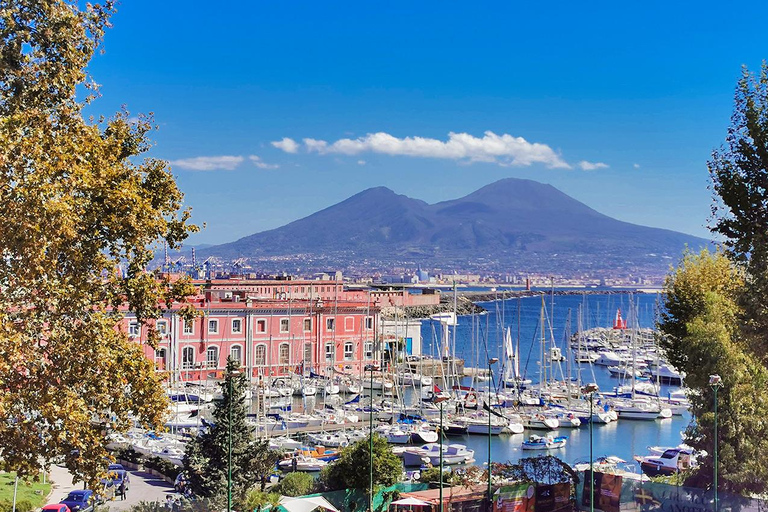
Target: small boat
[[544, 443], [672, 461], [302, 463], [452, 453]]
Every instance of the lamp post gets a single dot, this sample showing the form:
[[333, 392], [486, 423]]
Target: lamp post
[[439, 399], [230, 378], [715, 383], [370, 367], [491, 361], [590, 389]]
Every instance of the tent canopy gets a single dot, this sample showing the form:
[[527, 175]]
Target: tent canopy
[[306, 504], [412, 501]]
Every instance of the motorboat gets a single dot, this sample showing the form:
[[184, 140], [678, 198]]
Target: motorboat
[[452, 453], [540, 421], [394, 434], [544, 442], [302, 463], [672, 461]]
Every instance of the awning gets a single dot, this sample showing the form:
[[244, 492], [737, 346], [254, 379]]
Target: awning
[[306, 504], [412, 501]]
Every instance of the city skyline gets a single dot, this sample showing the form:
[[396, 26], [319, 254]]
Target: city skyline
[[273, 112]]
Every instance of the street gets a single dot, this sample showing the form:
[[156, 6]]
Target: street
[[143, 487]]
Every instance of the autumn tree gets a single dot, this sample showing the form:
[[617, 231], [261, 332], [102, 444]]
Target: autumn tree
[[77, 201], [704, 336], [207, 456]]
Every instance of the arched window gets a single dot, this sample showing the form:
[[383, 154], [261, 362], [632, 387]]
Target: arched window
[[236, 353], [285, 353], [260, 357], [212, 357], [188, 357], [160, 359]]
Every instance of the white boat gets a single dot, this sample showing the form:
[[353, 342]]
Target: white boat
[[672, 461], [394, 434], [452, 453], [544, 443], [412, 456], [609, 358], [539, 421], [336, 440], [302, 463], [284, 443], [422, 434], [639, 410]]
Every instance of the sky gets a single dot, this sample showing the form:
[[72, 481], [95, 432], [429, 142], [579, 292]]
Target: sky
[[271, 111]]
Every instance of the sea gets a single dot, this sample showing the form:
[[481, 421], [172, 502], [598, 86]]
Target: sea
[[480, 337]]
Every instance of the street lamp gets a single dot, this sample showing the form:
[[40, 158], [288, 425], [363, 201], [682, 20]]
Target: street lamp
[[590, 390], [371, 368], [230, 378], [439, 399], [715, 383], [491, 361]]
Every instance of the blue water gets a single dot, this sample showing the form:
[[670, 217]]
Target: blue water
[[480, 337]]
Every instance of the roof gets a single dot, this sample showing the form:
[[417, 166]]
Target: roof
[[455, 493], [306, 504]]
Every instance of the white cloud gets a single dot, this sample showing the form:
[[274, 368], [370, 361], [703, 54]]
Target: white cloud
[[591, 166], [287, 144], [261, 164], [208, 163], [500, 149], [361, 162], [636, 166]]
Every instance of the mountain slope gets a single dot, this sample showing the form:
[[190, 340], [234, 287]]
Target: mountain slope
[[514, 223]]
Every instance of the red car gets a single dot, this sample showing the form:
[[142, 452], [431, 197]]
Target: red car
[[56, 507]]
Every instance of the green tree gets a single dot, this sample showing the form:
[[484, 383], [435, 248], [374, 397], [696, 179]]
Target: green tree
[[352, 469], [544, 469], [206, 458], [295, 484], [739, 175], [703, 328], [77, 202]]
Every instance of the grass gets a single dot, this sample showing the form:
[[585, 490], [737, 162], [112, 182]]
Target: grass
[[32, 492]]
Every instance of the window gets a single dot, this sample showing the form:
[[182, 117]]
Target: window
[[330, 324], [237, 326], [261, 325], [348, 351], [260, 357], [212, 357], [160, 359], [368, 349], [330, 352], [189, 326], [162, 327], [188, 357], [134, 329], [213, 326], [285, 353], [307, 324], [349, 323], [283, 325], [308, 353], [236, 353], [369, 322]]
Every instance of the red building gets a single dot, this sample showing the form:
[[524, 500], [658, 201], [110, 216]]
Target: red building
[[272, 327]]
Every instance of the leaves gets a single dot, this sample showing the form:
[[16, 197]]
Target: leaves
[[76, 203], [352, 469]]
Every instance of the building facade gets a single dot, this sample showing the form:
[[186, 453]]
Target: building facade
[[272, 327]]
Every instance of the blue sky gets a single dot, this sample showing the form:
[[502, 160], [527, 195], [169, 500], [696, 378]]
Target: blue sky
[[636, 94]]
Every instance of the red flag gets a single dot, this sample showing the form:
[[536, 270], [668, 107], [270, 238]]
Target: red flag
[[436, 389]]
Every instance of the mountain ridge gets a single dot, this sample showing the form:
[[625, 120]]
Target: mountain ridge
[[513, 222]]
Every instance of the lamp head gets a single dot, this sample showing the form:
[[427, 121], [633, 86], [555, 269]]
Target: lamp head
[[493, 360], [715, 381], [591, 388]]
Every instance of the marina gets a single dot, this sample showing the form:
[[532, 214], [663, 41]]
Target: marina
[[533, 410]]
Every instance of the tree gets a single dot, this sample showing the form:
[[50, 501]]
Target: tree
[[739, 175], [544, 469], [206, 458], [295, 484], [78, 205], [351, 470], [704, 336]]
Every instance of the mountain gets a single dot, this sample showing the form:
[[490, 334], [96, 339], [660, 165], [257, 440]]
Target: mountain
[[510, 225]]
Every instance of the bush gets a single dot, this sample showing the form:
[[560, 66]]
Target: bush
[[21, 506], [162, 466], [295, 484], [129, 455]]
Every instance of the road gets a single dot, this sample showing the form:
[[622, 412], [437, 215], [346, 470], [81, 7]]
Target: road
[[144, 487]]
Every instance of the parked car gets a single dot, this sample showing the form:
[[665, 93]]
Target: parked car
[[81, 500], [56, 507], [116, 467]]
